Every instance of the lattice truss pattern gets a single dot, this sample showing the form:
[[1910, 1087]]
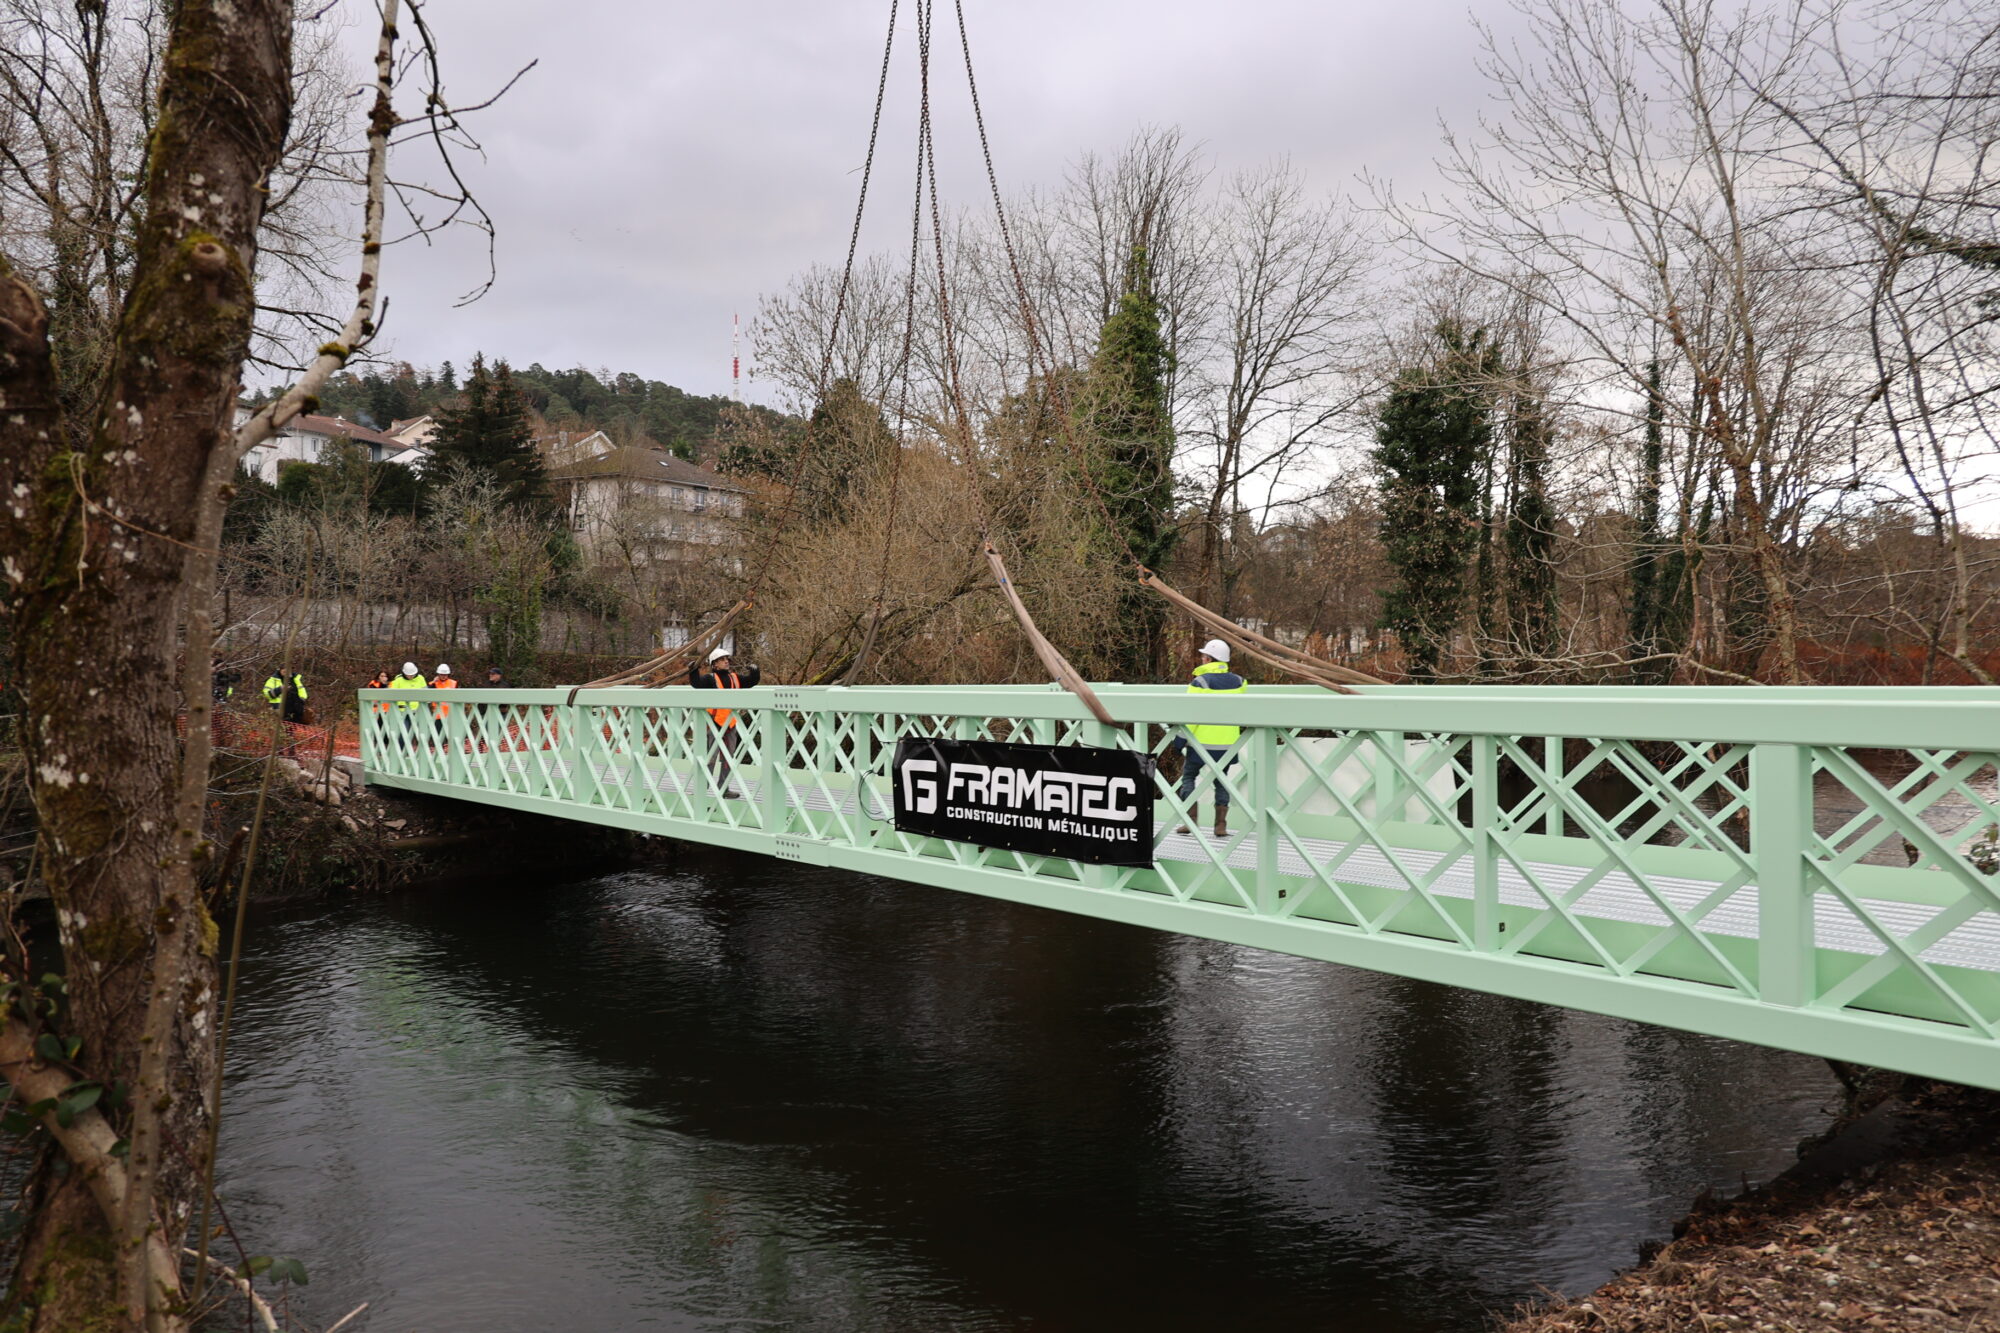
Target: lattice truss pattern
[[1636, 859]]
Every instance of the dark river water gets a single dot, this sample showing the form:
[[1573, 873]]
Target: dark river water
[[746, 1095]]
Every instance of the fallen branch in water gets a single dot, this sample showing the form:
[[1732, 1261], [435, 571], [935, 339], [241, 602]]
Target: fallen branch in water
[[258, 1304]]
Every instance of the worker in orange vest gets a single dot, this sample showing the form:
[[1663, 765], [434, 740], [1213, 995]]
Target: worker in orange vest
[[723, 675], [442, 681]]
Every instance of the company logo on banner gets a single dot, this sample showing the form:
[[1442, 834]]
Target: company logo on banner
[[1077, 801]]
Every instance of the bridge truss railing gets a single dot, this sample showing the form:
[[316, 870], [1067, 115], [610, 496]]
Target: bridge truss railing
[[1801, 868]]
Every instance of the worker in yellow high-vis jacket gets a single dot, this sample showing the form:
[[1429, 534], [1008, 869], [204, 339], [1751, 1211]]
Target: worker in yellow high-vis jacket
[[1207, 745], [410, 679]]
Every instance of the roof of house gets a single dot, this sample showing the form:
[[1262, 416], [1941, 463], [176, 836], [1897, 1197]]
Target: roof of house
[[404, 423], [639, 464], [566, 438], [337, 427]]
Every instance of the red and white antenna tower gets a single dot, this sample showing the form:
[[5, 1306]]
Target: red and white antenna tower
[[736, 358]]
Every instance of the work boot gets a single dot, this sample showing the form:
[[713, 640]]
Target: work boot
[[1221, 821]]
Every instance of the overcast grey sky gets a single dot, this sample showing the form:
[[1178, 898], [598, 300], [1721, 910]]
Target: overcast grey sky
[[667, 161]]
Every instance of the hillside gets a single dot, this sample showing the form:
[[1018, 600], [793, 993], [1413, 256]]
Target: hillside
[[624, 405]]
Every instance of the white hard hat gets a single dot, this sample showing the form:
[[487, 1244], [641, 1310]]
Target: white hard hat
[[1216, 649], [444, 669], [718, 654], [409, 668]]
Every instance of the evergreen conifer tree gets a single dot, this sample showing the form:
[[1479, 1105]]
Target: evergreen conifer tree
[[852, 448], [1130, 446], [1489, 615], [1643, 612], [488, 429], [1433, 437], [388, 399], [1661, 612], [1532, 607]]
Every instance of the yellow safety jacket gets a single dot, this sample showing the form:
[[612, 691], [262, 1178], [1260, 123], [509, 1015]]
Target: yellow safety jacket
[[407, 683], [1210, 734], [274, 688]]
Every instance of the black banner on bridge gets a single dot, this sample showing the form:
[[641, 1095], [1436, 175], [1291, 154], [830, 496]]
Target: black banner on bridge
[[1086, 803]]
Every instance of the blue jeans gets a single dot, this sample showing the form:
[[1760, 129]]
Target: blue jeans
[[1199, 758]]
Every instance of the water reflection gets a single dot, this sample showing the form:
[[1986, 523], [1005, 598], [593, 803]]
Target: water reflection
[[751, 1095]]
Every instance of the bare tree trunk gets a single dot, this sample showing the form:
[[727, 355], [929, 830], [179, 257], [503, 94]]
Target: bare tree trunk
[[1765, 557]]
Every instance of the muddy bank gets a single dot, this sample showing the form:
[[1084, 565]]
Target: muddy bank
[[324, 832], [334, 838], [1891, 1222]]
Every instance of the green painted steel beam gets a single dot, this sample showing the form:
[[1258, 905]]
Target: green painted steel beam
[[1958, 721]]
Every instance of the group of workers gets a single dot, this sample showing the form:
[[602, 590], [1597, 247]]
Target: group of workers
[[409, 678], [1204, 747], [286, 696], [442, 679]]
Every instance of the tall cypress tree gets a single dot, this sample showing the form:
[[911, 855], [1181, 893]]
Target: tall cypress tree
[[1532, 609], [1433, 439], [1489, 614], [1662, 607], [488, 429], [1130, 441]]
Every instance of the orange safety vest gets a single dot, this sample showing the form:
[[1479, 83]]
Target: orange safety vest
[[725, 680], [443, 683], [377, 683]]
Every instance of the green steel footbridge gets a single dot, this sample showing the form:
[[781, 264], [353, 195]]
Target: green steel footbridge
[[1799, 868]]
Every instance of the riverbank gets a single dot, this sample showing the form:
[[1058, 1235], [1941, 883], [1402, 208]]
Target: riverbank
[[1890, 1223], [326, 833], [358, 839]]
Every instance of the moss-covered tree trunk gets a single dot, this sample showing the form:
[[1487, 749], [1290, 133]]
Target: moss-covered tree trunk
[[1534, 608], [101, 547]]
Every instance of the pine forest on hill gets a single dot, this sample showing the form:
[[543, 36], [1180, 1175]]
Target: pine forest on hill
[[628, 408]]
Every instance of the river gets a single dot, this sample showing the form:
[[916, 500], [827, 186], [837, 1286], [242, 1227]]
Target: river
[[740, 1094]]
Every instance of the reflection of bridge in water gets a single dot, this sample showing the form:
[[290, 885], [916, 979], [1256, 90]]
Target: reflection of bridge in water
[[1711, 859]]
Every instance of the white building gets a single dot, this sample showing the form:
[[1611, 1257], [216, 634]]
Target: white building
[[641, 497], [415, 431], [306, 437]]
